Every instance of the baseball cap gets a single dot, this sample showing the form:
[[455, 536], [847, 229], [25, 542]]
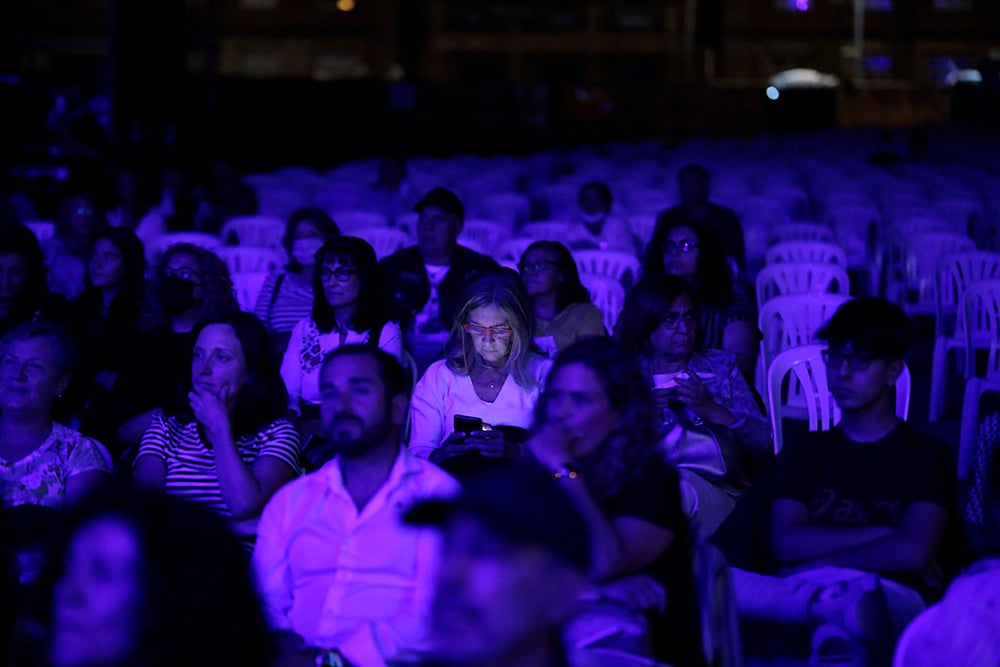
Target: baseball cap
[[444, 199], [520, 503]]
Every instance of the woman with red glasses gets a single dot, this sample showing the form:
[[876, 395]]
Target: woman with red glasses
[[491, 372]]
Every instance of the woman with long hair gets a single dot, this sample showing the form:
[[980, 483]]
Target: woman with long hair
[[24, 293], [492, 372], [562, 306]]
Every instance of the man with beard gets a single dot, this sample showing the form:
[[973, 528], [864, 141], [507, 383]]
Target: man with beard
[[343, 581]]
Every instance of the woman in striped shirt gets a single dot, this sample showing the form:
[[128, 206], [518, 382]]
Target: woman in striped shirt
[[233, 450]]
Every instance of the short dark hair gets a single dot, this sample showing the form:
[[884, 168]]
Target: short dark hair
[[390, 371], [871, 325], [645, 305], [571, 290], [444, 199], [357, 254], [601, 188], [60, 340], [264, 399], [694, 170]]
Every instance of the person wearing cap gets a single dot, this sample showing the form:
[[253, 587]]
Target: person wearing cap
[[343, 581], [859, 512], [425, 279], [512, 569]]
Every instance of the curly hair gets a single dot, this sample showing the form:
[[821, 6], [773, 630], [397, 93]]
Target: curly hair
[[216, 287], [713, 278], [570, 290], [644, 307], [264, 398], [318, 218], [199, 604], [354, 253], [504, 290], [632, 442]]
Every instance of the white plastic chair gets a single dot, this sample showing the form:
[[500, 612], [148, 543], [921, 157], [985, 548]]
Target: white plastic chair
[[608, 295], [981, 309], [560, 200], [802, 231], [156, 246], [955, 273], [351, 223], [509, 208], [815, 252], [485, 233], [42, 229], [549, 230], [513, 249], [790, 321], [247, 286], [384, 240], [800, 278], [253, 230], [620, 266], [244, 259], [921, 255], [807, 386]]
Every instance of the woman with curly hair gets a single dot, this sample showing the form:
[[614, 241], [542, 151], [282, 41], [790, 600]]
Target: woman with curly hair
[[492, 372], [188, 284], [563, 311], [728, 315], [595, 429]]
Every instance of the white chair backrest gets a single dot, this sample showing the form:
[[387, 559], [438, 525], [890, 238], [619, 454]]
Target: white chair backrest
[[800, 278], [512, 249], [807, 386], [816, 252], [42, 229], [385, 240], [608, 295], [921, 254], [792, 320], [253, 230], [981, 306], [801, 231], [550, 230], [351, 223], [246, 286], [244, 259], [954, 274], [607, 263], [157, 245], [485, 233], [509, 208]]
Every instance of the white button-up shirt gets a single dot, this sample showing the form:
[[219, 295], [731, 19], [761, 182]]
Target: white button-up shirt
[[360, 582]]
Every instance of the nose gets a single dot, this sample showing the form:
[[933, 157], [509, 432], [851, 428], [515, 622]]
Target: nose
[[203, 367]]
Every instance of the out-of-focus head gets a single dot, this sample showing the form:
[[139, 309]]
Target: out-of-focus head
[[440, 220], [22, 265], [144, 579], [595, 198], [189, 277], [36, 362], [547, 267], [347, 273], [692, 251], [305, 232], [118, 259], [80, 215], [364, 397], [512, 567], [681, 250], [659, 318], [693, 184]]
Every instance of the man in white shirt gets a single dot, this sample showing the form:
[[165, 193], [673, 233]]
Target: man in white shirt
[[341, 578]]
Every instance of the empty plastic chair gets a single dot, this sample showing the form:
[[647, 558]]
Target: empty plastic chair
[[156, 246], [608, 295], [549, 230], [802, 231], [250, 259], [981, 309], [485, 233], [509, 208], [914, 289], [620, 266], [246, 286], [351, 223], [384, 240], [800, 278], [253, 230], [816, 252]]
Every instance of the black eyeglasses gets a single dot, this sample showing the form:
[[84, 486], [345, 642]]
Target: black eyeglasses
[[536, 267], [341, 274], [671, 319], [854, 362], [684, 246]]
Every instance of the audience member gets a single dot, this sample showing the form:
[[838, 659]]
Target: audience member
[[710, 421], [562, 306], [693, 186], [348, 307], [145, 580], [339, 573], [224, 196], [860, 511], [512, 568], [425, 279], [728, 317], [68, 251], [131, 200], [597, 228], [24, 296], [491, 373], [596, 430], [286, 297], [232, 449], [187, 285]]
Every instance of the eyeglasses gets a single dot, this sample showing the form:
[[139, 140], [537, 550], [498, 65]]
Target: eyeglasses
[[684, 246], [536, 267], [671, 319], [183, 273], [500, 333], [854, 362], [341, 274]]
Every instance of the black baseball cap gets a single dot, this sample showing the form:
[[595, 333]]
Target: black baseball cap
[[522, 504], [444, 199]]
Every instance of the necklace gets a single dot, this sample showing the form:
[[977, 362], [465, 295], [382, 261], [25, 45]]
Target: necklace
[[486, 375]]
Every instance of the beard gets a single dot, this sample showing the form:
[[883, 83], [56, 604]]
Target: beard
[[348, 435]]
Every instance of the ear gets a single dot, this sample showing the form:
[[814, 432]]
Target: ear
[[398, 406], [894, 369], [62, 384]]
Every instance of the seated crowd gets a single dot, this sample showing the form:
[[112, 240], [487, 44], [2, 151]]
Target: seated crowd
[[434, 460]]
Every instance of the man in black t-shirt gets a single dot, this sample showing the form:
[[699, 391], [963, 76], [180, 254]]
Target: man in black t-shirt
[[870, 497]]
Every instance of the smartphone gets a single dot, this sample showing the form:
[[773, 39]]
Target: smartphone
[[465, 424]]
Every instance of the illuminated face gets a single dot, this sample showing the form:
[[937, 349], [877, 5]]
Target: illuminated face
[[675, 337], [97, 602], [107, 266], [219, 365], [494, 344], [576, 400], [30, 378], [356, 412], [680, 253], [341, 283]]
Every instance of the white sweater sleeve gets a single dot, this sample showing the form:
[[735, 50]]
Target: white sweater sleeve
[[427, 411], [291, 366]]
